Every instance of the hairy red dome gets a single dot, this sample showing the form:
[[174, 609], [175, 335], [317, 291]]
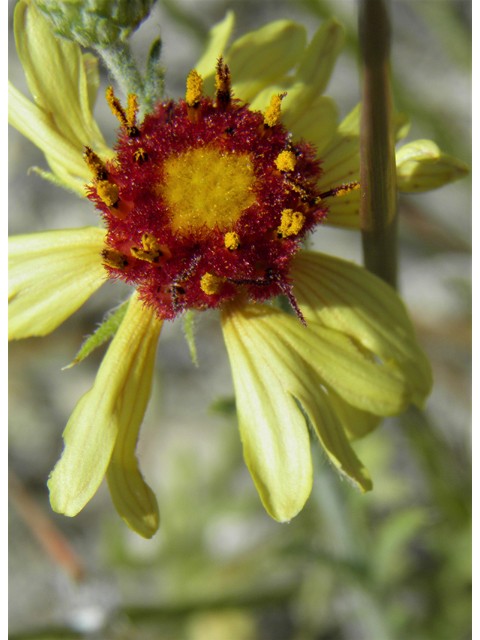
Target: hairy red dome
[[205, 201]]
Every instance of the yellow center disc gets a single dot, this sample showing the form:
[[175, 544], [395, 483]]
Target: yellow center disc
[[206, 187]]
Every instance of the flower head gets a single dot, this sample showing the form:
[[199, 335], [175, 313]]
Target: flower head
[[206, 203], [204, 200]]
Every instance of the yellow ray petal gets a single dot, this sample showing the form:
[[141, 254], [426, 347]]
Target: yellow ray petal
[[274, 434], [347, 298], [51, 274], [340, 160], [317, 125], [62, 176], [341, 165], [262, 57], [318, 60], [131, 495], [343, 211], [108, 409], [38, 127], [379, 388], [355, 422], [261, 101], [305, 87], [313, 73], [330, 429], [92, 75], [217, 41], [56, 77], [309, 389]]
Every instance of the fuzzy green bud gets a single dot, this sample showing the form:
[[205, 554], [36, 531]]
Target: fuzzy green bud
[[95, 23]]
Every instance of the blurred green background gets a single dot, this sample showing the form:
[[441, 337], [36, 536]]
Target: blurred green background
[[390, 565]]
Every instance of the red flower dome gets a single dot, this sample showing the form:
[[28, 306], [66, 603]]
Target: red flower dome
[[205, 200]]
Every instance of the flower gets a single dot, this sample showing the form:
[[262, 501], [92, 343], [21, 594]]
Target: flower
[[355, 361]]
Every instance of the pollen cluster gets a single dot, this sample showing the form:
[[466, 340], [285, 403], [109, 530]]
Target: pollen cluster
[[205, 200]]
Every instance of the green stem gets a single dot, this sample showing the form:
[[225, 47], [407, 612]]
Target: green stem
[[378, 197], [120, 62]]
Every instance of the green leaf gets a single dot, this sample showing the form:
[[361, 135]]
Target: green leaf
[[189, 328], [225, 405], [105, 331], [392, 556]]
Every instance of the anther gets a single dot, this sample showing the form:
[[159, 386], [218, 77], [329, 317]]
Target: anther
[[117, 109], [95, 164], [114, 259], [291, 224], [107, 192], [286, 161], [272, 112], [222, 84], [210, 283], [338, 191], [132, 110], [151, 251], [194, 89], [126, 118], [193, 96], [305, 195], [232, 240]]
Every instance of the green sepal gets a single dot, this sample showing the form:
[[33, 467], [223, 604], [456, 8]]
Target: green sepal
[[155, 74], [105, 331], [189, 329]]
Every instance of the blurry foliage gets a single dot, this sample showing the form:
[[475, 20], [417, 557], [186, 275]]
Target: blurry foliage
[[391, 565]]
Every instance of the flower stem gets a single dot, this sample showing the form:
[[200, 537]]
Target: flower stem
[[121, 64], [378, 197]]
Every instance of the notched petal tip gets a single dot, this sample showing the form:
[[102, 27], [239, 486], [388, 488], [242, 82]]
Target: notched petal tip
[[102, 432], [133, 499], [275, 438]]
